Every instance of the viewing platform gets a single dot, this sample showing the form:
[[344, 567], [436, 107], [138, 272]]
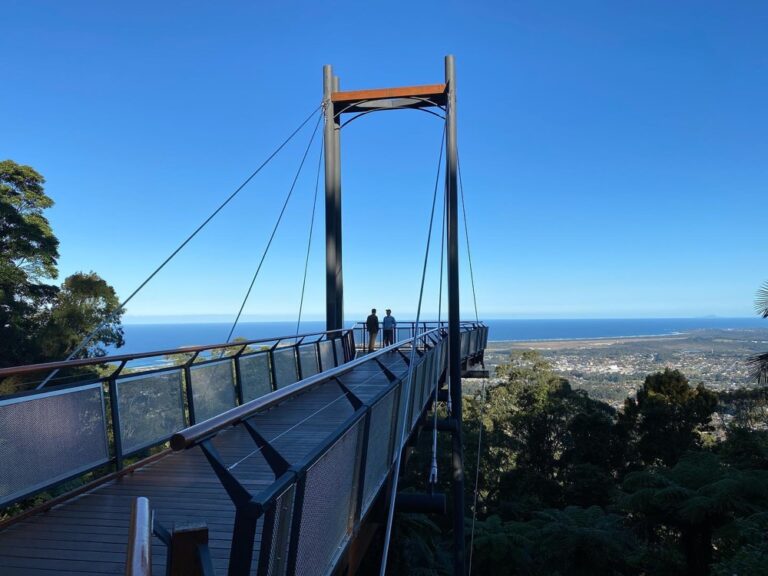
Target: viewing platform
[[281, 452]]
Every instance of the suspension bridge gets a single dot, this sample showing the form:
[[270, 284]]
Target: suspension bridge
[[276, 456]]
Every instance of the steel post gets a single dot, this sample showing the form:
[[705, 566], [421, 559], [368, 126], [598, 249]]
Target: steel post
[[454, 338], [333, 286]]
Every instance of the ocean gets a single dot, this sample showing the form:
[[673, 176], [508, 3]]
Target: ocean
[[148, 337]]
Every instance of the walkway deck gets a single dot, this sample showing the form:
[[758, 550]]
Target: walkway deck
[[88, 535]]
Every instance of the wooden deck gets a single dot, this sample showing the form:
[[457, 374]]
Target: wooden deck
[[88, 535]]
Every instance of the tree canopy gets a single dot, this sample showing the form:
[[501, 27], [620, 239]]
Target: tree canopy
[[40, 321]]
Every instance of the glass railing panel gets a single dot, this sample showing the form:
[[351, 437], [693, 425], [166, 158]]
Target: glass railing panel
[[326, 355]]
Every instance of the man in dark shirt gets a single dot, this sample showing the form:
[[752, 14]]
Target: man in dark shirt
[[372, 324]]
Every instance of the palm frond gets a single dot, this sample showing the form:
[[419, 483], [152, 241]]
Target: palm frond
[[761, 301], [759, 365]]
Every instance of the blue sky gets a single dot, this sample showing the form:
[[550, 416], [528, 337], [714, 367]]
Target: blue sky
[[613, 153]]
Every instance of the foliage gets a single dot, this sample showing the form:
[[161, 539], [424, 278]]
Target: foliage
[[759, 362], [666, 418], [39, 321]]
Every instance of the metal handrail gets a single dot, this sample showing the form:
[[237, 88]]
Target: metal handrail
[[29, 368], [193, 435]]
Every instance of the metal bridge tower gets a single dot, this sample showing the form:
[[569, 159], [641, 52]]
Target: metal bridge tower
[[442, 96]]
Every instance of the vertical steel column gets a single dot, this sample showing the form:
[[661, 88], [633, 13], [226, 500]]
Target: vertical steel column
[[454, 337], [334, 297]]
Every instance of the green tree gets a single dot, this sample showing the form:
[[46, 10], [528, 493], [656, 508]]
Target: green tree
[[666, 418], [40, 321], [691, 501], [760, 361], [28, 257]]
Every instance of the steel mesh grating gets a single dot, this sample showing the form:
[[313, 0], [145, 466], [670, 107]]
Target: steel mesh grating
[[285, 370], [379, 444], [329, 500], [308, 359], [213, 389], [281, 533], [151, 408], [255, 378], [49, 437]]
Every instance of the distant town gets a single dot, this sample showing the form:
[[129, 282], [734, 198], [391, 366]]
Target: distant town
[[612, 369]]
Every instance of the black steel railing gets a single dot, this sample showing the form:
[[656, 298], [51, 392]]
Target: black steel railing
[[114, 407], [403, 330], [358, 455]]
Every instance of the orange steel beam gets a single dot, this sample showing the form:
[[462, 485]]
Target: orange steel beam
[[352, 96]]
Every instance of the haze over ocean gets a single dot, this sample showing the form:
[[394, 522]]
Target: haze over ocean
[[148, 337]]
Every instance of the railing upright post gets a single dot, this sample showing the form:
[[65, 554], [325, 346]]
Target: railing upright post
[[114, 408], [190, 396]]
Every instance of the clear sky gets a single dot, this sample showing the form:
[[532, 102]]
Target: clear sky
[[615, 154]]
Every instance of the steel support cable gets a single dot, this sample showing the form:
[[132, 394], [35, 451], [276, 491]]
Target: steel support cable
[[274, 230], [181, 246], [309, 241], [433, 469], [466, 233], [477, 475], [411, 366]]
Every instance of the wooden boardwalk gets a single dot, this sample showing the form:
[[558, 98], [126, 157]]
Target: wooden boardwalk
[[88, 534]]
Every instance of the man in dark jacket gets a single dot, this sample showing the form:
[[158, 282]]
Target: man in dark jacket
[[372, 324]]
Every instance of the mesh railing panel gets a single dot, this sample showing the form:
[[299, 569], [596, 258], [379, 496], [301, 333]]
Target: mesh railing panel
[[255, 377], [151, 408], [340, 358], [308, 359], [49, 437], [464, 345], [473, 342], [213, 389], [329, 499], [400, 416], [326, 355], [418, 386], [378, 456], [285, 370], [281, 533]]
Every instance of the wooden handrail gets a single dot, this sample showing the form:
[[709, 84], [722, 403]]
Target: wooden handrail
[[138, 559]]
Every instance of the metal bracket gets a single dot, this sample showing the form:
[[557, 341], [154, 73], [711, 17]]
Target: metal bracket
[[353, 398], [277, 463], [239, 495]]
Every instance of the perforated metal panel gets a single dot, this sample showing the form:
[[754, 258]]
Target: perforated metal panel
[[255, 377], [326, 355], [48, 437], [417, 384], [281, 533], [151, 409], [464, 345], [329, 500], [213, 389], [379, 454], [339, 345], [285, 369], [308, 359]]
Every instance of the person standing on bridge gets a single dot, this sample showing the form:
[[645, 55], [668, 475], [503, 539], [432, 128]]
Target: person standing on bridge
[[372, 324], [389, 324]]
